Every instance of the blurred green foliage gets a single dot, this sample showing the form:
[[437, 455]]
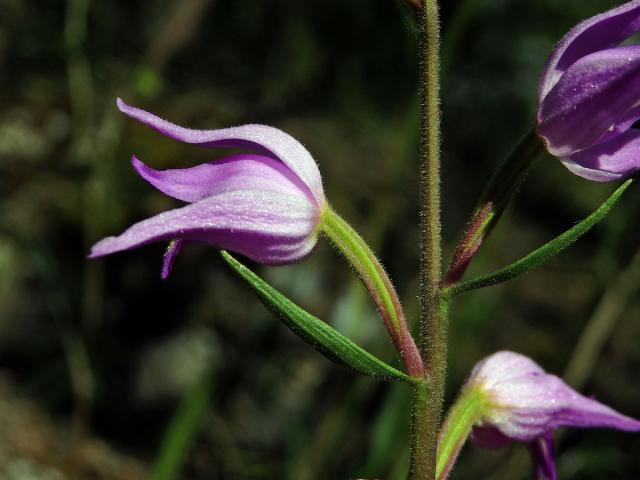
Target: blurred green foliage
[[111, 351]]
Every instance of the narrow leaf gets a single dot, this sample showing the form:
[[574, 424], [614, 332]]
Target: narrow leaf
[[314, 331], [542, 254]]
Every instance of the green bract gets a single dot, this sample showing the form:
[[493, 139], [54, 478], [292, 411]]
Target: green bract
[[325, 339]]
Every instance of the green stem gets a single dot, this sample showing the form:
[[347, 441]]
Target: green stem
[[427, 409], [377, 282], [461, 418]]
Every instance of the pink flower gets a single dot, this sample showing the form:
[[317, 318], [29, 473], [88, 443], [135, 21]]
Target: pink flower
[[266, 205], [524, 403]]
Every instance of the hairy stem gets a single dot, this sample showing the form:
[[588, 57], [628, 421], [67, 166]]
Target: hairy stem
[[428, 399]]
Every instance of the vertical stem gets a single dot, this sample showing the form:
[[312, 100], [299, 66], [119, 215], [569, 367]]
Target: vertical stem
[[428, 399]]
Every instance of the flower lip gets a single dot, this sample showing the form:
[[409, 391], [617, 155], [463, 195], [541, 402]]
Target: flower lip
[[263, 139], [170, 254], [541, 451]]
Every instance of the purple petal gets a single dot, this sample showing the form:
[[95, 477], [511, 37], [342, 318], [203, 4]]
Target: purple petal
[[578, 411], [541, 450], [263, 139], [268, 227], [594, 94], [596, 33], [612, 160], [169, 257], [589, 173], [501, 367], [233, 173]]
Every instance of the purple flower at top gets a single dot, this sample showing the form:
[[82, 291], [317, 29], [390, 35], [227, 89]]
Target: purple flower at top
[[524, 403], [589, 97], [266, 204]]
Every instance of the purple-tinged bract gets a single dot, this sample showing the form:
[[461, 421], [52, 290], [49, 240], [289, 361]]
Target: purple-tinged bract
[[266, 204], [589, 97], [524, 403]]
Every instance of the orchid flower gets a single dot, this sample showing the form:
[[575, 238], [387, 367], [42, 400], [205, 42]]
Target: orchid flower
[[521, 402], [589, 97], [266, 205]]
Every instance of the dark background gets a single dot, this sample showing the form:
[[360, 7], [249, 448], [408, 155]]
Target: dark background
[[107, 372]]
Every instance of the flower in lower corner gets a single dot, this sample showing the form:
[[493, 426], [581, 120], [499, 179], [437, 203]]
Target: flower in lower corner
[[589, 96], [266, 204], [521, 402]]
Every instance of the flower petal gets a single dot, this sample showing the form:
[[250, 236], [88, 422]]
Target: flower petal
[[596, 33], [263, 139], [594, 94], [612, 160], [268, 227], [502, 367], [541, 450], [237, 172], [590, 173]]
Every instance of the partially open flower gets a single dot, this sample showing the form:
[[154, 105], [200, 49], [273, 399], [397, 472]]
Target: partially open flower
[[523, 403], [589, 96], [266, 204]]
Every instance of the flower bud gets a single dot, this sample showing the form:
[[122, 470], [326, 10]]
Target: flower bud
[[522, 402]]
